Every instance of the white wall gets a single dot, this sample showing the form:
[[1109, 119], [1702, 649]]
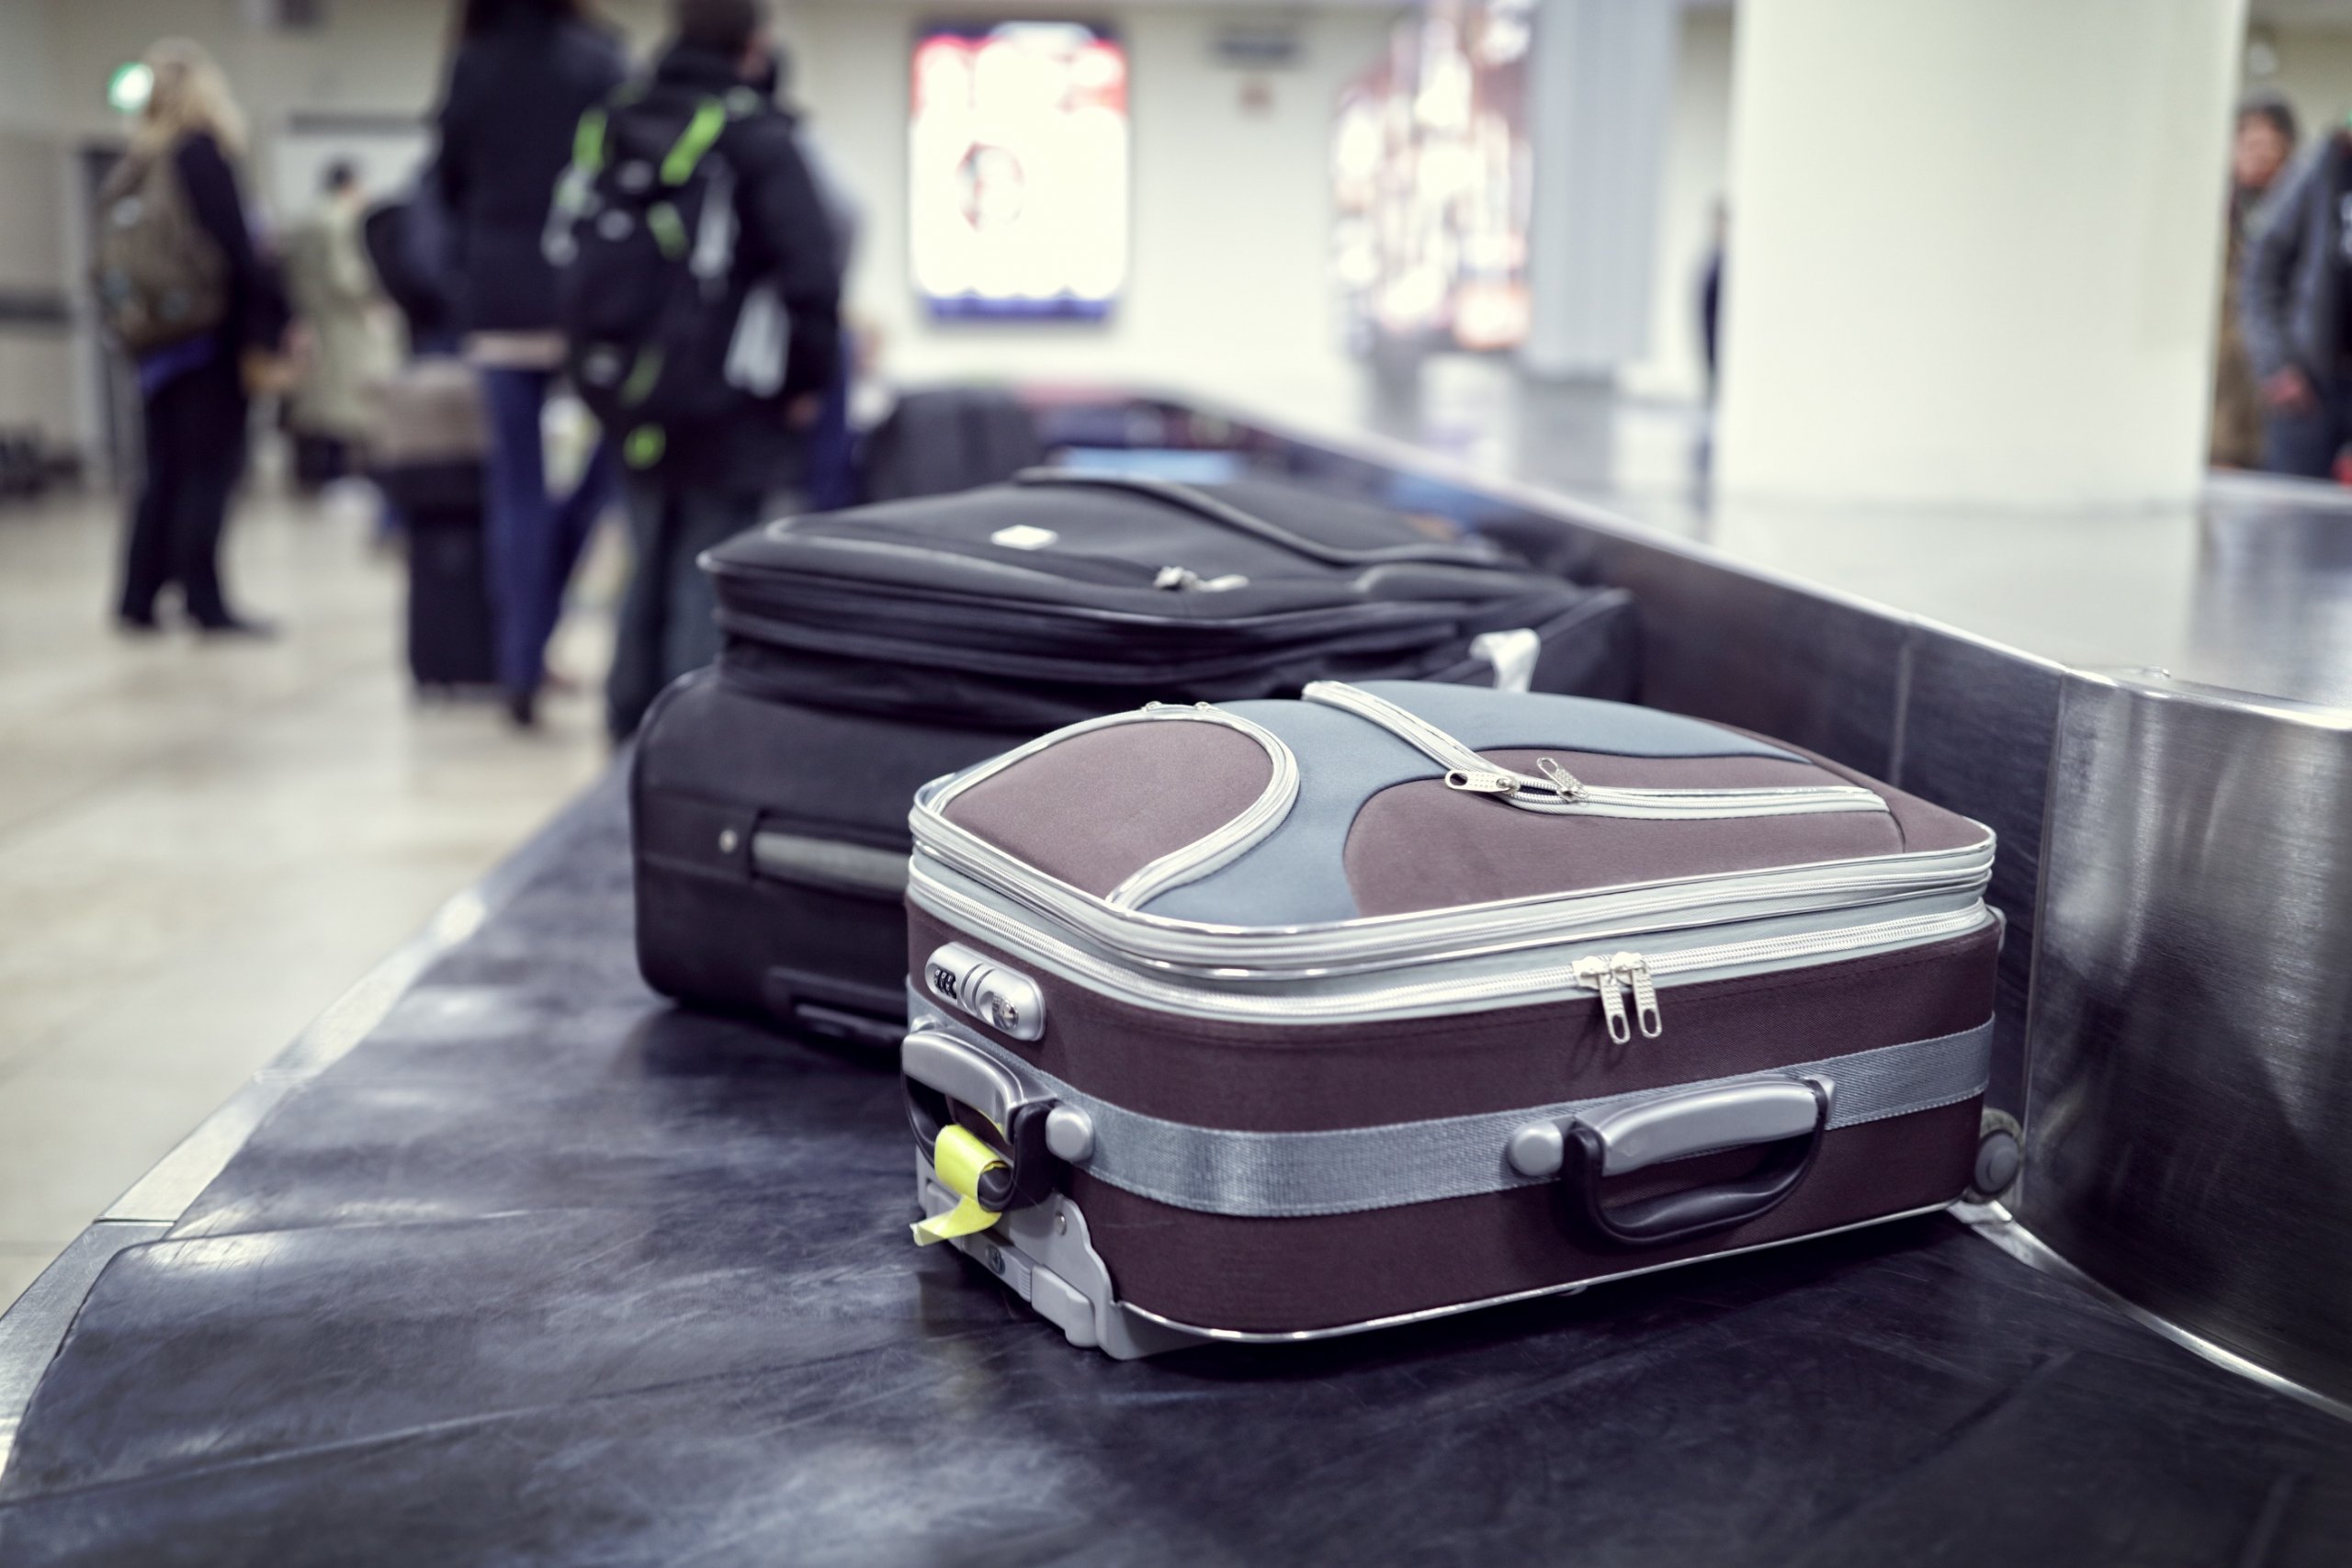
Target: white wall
[[1977, 249], [1229, 289], [1697, 173]]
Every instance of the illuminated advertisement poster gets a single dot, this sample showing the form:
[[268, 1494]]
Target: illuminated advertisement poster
[[1018, 181], [1432, 183]]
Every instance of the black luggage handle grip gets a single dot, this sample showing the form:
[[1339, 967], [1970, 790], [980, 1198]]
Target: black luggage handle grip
[[1788, 1116], [1217, 510]]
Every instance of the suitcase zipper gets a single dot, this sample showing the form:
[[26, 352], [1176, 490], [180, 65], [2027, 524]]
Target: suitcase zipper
[[1608, 977], [1213, 849], [1560, 793]]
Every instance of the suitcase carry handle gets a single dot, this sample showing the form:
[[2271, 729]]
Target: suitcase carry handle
[[1787, 1115], [1038, 1133], [1217, 510]]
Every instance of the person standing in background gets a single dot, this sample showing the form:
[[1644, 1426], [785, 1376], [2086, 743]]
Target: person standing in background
[[335, 296], [2292, 311], [711, 479], [524, 72], [2264, 142], [192, 392]]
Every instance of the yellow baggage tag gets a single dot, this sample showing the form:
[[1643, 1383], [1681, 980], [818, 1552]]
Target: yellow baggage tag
[[958, 1159]]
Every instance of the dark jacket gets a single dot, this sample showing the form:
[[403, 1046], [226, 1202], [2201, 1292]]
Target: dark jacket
[[785, 241], [2293, 280], [515, 96], [256, 315]]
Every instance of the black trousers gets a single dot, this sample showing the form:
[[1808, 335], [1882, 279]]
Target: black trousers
[[195, 444], [669, 615]]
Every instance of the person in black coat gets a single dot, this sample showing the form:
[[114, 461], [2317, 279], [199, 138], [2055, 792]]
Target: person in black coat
[[192, 393], [524, 72], [712, 480]]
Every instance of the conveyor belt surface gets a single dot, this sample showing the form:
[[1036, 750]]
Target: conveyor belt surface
[[543, 1271]]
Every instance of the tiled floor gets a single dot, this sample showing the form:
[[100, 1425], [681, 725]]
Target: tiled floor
[[202, 845]]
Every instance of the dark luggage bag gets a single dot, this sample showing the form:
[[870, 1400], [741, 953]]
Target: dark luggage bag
[[949, 439], [451, 645], [1278, 1019], [872, 650], [430, 449]]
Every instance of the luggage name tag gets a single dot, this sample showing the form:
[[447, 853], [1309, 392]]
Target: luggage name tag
[[959, 1159]]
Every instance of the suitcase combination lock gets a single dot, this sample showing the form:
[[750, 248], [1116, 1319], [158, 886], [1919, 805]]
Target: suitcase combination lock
[[973, 983]]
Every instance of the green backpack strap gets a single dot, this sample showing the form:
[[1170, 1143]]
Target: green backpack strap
[[694, 143]]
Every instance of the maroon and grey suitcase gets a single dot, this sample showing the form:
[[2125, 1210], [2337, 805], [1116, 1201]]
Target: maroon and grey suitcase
[[1282, 1019]]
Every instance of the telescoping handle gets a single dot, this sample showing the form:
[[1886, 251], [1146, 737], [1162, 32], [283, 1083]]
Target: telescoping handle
[[1787, 1115], [1030, 1134]]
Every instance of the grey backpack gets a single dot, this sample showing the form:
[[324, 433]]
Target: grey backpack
[[161, 280]]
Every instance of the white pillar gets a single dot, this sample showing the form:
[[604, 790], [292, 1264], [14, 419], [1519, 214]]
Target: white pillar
[[1600, 89], [1974, 250]]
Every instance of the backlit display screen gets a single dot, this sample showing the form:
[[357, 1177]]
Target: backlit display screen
[[1431, 180], [1018, 178]]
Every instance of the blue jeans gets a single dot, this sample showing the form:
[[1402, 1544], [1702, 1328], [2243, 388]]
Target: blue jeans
[[2307, 443], [668, 623], [533, 539]]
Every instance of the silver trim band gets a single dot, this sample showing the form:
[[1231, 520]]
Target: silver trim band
[[1348, 1170]]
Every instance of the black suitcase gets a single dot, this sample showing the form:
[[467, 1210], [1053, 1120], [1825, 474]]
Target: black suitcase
[[451, 640], [947, 439], [870, 651]]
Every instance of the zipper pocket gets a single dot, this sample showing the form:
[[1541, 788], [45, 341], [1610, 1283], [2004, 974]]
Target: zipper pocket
[[931, 827], [1593, 975], [1560, 793], [1215, 508]]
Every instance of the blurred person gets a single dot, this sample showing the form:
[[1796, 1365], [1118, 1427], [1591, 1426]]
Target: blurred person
[[193, 391], [753, 371], [2262, 146], [337, 302], [407, 243], [2292, 310], [831, 463], [524, 72]]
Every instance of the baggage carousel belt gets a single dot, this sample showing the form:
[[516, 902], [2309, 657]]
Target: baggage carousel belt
[[544, 1270]]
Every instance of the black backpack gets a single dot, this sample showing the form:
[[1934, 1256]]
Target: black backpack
[[642, 237]]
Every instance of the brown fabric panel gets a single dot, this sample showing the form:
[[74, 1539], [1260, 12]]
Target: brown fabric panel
[[1925, 826], [1265, 1078], [1422, 846], [1096, 808], [1286, 1275]]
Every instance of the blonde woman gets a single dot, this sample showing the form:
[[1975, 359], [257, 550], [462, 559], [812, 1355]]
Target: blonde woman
[[192, 391]]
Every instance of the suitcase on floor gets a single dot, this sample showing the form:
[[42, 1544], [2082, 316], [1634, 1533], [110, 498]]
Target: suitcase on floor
[[1276, 1020], [872, 650], [451, 641]]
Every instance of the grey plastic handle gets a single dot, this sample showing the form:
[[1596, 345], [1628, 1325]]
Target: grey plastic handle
[[1675, 1126], [1734, 1116], [948, 1066]]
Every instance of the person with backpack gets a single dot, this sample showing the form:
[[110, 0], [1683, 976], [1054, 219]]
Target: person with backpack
[[183, 288], [701, 301], [524, 72]]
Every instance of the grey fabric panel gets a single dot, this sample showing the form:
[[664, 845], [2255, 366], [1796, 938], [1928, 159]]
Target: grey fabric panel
[[1096, 808], [1483, 719], [1297, 876], [1274, 1175]]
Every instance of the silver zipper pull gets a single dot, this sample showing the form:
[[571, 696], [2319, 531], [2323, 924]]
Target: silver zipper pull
[[1602, 977], [1566, 784], [1480, 782], [1176, 577], [1634, 970]]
